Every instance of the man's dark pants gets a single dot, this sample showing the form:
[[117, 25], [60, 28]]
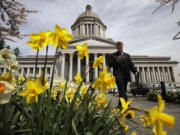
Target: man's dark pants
[[122, 88]]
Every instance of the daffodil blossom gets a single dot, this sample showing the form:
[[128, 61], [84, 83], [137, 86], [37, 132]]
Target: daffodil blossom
[[101, 100], [37, 40], [104, 81], [157, 118], [98, 62], [83, 50], [32, 90], [78, 78], [125, 104], [61, 37]]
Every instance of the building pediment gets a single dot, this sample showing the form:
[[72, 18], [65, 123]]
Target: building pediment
[[93, 42]]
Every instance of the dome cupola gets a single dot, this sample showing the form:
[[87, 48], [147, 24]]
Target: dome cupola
[[87, 24]]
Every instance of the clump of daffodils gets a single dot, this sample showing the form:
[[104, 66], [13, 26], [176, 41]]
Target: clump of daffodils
[[68, 106]]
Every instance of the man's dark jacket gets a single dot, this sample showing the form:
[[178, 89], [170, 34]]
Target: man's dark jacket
[[121, 70]]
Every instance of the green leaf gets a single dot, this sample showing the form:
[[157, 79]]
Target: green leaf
[[74, 127]]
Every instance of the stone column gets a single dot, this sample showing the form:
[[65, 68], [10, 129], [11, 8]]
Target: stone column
[[169, 74], [143, 75], [87, 76], [164, 74], [90, 27], [78, 64], [104, 60], [175, 73], [87, 26], [154, 74], [159, 73], [22, 71], [33, 71], [27, 71], [70, 66], [148, 75], [96, 69], [40, 70], [140, 78], [63, 65]]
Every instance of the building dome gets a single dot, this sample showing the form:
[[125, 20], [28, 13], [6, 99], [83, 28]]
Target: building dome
[[88, 24], [88, 13]]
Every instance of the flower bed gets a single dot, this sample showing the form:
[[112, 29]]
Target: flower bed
[[171, 96]]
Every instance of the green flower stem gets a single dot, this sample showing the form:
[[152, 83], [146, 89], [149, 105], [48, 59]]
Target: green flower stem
[[36, 64], [54, 64], [45, 63], [10, 74]]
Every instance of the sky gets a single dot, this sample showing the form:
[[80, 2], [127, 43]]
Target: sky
[[130, 21]]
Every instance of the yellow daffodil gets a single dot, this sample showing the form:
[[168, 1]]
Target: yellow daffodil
[[32, 90], [131, 113], [134, 133], [156, 117], [124, 125], [21, 79], [83, 50], [101, 100], [116, 110], [78, 78], [54, 93], [125, 104], [61, 37], [104, 81], [84, 89], [98, 62], [157, 114], [158, 129], [69, 95], [37, 40], [5, 92]]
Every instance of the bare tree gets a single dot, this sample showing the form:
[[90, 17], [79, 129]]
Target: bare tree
[[13, 14], [173, 4]]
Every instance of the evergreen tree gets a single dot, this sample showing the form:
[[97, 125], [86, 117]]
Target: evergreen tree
[[2, 44], [17, 51]]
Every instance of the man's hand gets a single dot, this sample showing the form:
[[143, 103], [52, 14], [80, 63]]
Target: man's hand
[[119, 58]]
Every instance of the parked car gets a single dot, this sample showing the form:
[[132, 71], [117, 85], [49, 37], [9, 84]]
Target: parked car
[[140, 89]]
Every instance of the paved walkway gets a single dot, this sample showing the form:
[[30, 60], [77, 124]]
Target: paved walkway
[[139, 101]]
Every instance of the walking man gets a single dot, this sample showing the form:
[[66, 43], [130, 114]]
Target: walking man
[[121, 64]]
